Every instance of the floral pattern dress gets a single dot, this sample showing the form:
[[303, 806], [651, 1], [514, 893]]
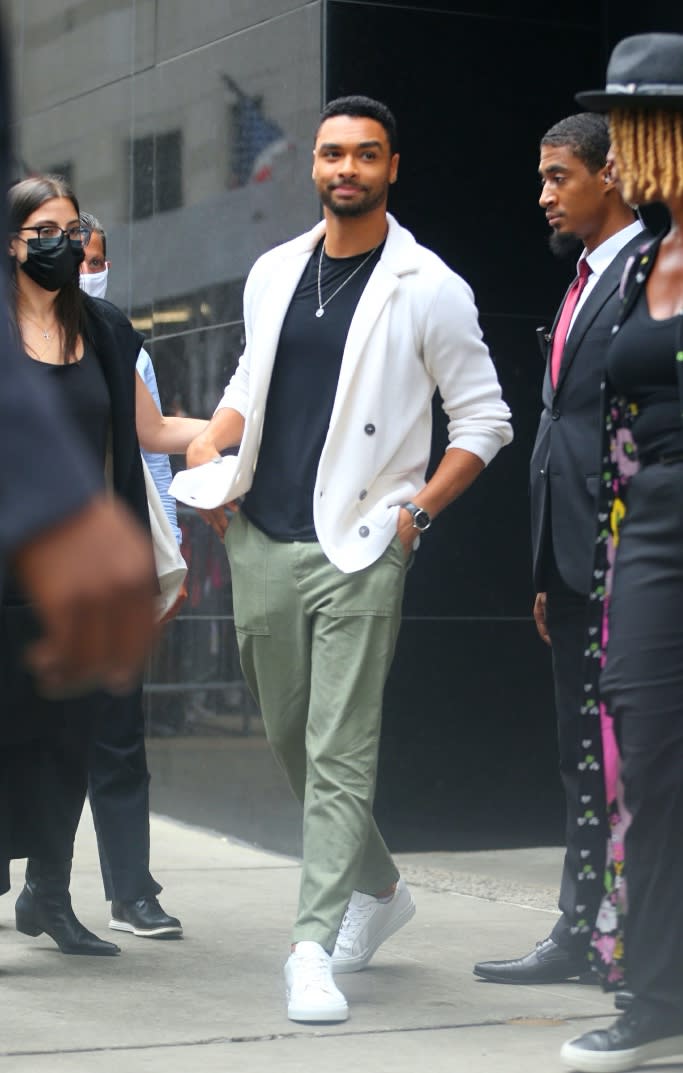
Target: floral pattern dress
[[605, 902]]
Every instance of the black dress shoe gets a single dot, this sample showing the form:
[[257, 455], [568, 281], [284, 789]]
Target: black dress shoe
[[547, 964], [145, 918], [639, 1035], [623, 1000], [50, 911]]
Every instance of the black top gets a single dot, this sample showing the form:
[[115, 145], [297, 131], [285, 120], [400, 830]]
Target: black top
[[641, 366], [84, 395], [301, 395]]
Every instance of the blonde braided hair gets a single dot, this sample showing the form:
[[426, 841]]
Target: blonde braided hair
[[648, 148]]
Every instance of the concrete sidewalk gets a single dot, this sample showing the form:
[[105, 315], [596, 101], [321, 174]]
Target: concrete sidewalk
[[215, 1000]]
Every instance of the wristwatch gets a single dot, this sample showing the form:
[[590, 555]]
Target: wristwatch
[[421, 519]]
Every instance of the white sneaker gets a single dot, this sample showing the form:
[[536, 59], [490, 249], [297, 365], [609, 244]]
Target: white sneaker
[[367, 924], [311, 991]]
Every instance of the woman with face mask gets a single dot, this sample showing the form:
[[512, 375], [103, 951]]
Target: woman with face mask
[[87, 349]]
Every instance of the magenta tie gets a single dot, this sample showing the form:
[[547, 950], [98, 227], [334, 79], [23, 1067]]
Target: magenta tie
[[560, 336]]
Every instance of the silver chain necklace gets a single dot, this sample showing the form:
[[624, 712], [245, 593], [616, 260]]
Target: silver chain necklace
[[321, 305]]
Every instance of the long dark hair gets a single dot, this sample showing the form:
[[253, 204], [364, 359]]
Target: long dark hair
[[23, 199]]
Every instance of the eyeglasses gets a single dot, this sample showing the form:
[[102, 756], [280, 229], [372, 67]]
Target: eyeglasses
[[49, 235]]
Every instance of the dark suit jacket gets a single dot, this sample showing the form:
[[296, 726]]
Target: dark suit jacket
[[565, 462]]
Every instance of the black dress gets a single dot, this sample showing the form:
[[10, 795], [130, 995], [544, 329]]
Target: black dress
[[642, 683]]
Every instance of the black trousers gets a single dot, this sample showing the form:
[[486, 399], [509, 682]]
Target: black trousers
[[100, 750], [566, 619], [54, 752], [643, 686], [95, 745]]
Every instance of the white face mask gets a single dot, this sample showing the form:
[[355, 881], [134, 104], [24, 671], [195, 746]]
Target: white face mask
[[94, 283]]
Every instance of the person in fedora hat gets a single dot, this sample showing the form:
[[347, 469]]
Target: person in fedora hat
[[642, 681]]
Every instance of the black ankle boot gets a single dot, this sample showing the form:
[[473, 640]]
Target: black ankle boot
[[44, 905]]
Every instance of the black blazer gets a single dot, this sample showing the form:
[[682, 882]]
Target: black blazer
[[565, 462]]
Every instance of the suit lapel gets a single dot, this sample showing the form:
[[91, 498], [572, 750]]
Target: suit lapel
[[601, 293], [378, 290], [269, 318], [603, 290]]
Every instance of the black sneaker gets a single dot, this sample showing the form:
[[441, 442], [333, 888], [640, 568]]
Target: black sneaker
[[145, 918], [639, 1035]]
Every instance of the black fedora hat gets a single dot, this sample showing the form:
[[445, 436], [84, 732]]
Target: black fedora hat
[[645, 71]]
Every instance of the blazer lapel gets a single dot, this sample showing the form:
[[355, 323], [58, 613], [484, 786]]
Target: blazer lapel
[[398, 258], [601, 293], [269, 314], [603, 290], [548, 389], [379, 288]]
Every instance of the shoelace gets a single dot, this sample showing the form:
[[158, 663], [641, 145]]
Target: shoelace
[[353, 919], [317, 970]]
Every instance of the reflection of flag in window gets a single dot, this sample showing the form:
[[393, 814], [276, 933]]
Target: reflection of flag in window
[[256, 140]]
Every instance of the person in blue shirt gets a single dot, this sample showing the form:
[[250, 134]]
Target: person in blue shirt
[[93, 280]]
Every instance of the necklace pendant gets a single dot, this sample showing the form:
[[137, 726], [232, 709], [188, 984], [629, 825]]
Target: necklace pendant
[[319, 311], [46, 335]]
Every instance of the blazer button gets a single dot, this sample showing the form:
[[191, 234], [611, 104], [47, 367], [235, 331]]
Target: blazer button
[[370, 430], [555, 415], [541, 473], [364, 531], [362, 494]]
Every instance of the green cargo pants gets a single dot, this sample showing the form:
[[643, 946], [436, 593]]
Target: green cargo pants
[[315, 647]]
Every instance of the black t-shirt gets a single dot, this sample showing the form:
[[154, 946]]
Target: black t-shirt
[[85, 397], [641, 365], [301, 394]]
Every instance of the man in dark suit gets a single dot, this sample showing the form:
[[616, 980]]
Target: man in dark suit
[[582, 202]]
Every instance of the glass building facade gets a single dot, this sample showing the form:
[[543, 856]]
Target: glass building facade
[[187, 129]]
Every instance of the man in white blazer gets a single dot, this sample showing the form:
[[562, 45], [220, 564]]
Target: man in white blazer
[[350, 329]]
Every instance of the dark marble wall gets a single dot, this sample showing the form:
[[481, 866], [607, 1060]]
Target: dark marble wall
[[469, 754]]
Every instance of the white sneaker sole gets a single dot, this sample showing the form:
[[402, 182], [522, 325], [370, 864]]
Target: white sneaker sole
[[330, 1014], [361, 961], [618, 1062], [146, 933]]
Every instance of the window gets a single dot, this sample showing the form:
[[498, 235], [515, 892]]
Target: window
[[156, 161]]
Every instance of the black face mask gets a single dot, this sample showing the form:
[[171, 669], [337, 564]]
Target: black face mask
[[52, 267]]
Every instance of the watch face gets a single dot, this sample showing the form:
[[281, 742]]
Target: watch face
[[421, 520]]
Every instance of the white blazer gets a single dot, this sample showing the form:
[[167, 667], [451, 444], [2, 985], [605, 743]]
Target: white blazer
[[415, 328]]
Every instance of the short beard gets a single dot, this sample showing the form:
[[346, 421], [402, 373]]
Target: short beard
[[565, 244], [349, 210]]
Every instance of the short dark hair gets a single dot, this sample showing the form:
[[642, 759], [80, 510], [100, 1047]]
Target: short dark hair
[[586, 134], [357, 105], [90, 222]]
